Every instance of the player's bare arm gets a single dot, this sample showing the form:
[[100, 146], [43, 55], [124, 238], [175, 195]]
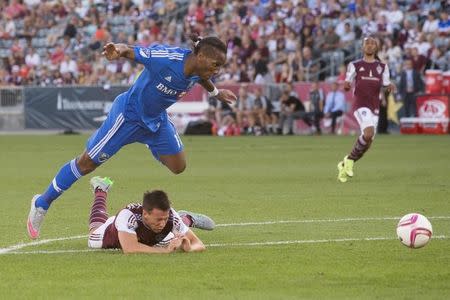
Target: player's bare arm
[[221, 94], [130, 244], [115, 51], [191, 243]]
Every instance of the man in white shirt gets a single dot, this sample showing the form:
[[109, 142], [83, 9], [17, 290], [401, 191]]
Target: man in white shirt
[[334, 105], [32, 59]]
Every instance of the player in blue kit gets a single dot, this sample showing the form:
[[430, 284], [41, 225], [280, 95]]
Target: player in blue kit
[[139, 114]]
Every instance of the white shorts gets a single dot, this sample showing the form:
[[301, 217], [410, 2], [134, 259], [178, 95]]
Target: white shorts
[[366, 118], [96, 237]]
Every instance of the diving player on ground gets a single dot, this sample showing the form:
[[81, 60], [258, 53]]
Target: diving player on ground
[[152, 226]]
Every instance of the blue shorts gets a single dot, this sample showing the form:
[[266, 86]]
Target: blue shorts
[[120, 129]]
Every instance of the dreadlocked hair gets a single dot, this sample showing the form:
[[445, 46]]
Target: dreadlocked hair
[[207, 42]]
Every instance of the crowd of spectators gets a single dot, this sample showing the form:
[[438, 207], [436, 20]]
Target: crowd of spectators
[[59, 42]]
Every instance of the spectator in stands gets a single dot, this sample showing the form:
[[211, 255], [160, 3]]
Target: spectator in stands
[[347, 40], [309, 66], [331, 40], [439, 60], [316, 105], [409, 86], [419, 61], [291, 108], [32, 59], [444, 23], [7, 28], [259, 109], [244, 115], [431, 25], [334, 105]]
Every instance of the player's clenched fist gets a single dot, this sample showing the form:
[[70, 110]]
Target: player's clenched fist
[[111, 52]]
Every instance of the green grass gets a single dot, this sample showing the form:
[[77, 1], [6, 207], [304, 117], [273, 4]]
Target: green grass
[[238, 180]]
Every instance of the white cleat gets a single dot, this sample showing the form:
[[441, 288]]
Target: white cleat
[[102, 183], [198, 220], [35, 219]]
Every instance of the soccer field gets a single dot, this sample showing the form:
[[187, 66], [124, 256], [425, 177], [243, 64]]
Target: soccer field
[[286, 228]]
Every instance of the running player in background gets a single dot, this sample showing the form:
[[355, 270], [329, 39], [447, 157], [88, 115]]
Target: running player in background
[[370, 76], [149, 227], [139, 114]]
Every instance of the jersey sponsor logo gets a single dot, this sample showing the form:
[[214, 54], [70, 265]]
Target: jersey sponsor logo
[[168, 78], [144, 52], [370, 78], [168, 91]]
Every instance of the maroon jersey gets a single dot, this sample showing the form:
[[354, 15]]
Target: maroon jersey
[[129, 220], [369, 78]]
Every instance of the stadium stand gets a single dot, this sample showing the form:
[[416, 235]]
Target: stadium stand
[[56, 43]]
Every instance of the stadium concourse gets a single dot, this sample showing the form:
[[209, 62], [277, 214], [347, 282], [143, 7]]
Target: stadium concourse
[[57, 43]]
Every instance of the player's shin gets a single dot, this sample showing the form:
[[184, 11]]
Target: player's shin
[[98, 214], [361, 146], [63, 180]]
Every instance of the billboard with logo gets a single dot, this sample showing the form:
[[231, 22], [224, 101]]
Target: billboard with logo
[[68, 107], [435, 107]]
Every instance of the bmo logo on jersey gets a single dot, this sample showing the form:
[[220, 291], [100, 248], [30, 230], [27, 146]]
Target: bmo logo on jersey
[[168, 91]]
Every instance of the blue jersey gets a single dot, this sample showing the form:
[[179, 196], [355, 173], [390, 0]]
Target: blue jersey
[[161, 83]]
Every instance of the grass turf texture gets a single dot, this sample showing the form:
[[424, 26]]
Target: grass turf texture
[[238, 180]]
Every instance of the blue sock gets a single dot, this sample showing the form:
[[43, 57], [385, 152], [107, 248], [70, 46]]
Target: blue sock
[[68, 174]]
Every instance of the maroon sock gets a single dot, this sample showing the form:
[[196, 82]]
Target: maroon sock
[[360, 147], [187, 220], [98, 211]]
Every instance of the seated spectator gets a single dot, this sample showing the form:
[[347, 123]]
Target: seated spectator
[[444, 23], [259, 108], [316, 105], [331, 40], [334, 105], [291, 108], [431, 24], [244, 115]]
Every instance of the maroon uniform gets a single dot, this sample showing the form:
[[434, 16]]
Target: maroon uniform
[[369, 78], [129, 220]]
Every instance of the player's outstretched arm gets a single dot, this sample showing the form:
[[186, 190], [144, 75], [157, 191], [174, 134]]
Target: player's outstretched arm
[[221, 95], [115, 51], [130, 244], [191, 243]]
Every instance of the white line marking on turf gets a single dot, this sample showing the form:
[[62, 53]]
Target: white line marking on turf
[[47, 241], [319, 221], [248, 244], [41, 242]]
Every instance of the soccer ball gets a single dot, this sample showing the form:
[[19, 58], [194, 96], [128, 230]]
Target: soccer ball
[[414, 230]]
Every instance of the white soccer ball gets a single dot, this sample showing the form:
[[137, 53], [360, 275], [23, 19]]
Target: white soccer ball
[[414, 230]]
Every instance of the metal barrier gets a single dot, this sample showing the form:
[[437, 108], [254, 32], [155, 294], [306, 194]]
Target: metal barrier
[[11, 99], [12, 115]]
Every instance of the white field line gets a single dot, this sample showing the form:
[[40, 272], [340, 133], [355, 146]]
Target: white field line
[[251, 244], [40, 242], [320, 221], [19, 246]]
